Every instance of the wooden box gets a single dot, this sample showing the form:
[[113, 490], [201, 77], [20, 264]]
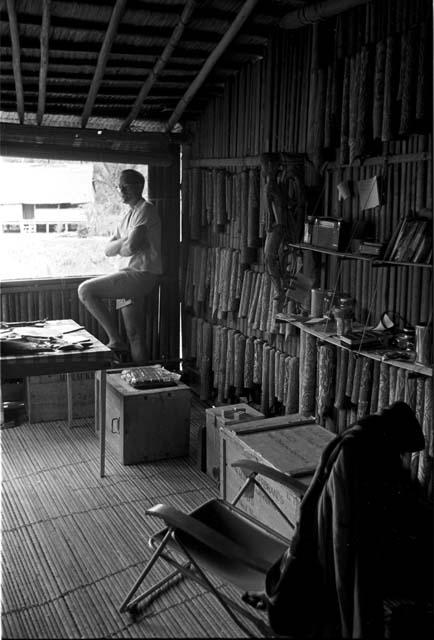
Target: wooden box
[[46, 396], [282, 443], [144, 425], [223, 416]]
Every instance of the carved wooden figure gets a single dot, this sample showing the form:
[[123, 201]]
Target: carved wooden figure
[[285, 209]]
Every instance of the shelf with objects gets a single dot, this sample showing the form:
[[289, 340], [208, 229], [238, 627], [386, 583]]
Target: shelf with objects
[[325, 329], [355, 256]]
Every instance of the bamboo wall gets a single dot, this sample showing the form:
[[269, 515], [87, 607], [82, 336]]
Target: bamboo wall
[[353, 93]]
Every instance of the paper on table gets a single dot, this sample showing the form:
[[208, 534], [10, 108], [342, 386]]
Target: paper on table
[[368, 193], [37, 332]]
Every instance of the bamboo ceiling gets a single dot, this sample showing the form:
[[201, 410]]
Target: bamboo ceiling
[[131, 65]]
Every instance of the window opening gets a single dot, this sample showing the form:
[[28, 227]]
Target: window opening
[[57, 216]]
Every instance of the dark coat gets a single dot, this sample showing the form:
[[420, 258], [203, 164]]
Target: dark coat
[[356, 522]]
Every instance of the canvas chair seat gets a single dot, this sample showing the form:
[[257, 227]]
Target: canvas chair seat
[[240, 529]]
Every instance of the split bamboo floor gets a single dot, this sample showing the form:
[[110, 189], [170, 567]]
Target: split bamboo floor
[[73, 543]]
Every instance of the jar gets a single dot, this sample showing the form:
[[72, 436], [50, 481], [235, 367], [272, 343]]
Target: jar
[[346, 302], [406, 339], [344, 320], [329, 297]]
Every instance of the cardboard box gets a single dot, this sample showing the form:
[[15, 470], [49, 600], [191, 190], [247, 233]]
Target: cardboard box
[[144, 425], [282, 443], [223, 416], [46, 396]]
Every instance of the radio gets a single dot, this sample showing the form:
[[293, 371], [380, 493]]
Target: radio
[[328, 233]]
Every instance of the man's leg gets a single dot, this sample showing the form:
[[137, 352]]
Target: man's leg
[[134, 321], [134, 316], [92, 292]]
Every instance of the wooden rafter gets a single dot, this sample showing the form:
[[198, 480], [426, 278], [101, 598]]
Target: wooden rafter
[[230, 34], [161, 62], [315, 12], [104, 53], [16, 58], [43, 67]]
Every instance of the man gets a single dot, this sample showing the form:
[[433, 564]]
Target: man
[[138, 239]]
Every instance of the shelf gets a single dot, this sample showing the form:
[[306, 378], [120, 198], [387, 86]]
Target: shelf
[[330, 252], [376, 262], [378, 354], [392, 263]]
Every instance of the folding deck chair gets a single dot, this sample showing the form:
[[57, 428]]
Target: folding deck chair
[[220, 539]]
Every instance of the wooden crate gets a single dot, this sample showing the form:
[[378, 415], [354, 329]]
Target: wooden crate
[[224, 416], [144, 425], [278, 442], [46, 396]]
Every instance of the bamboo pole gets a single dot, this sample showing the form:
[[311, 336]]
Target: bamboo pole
[[249, 361], [16, 58], [317, 12], [326, 379], [291, 397], [308, 380], [271, 378], [393, 372], [103, 56], [420, 397], [230, 362], [375, 388], [264, 379]]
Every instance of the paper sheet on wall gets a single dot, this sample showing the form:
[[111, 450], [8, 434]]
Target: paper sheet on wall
[[344, 190], [368, 193]]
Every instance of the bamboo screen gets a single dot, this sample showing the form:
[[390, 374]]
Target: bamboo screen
[[353, 94]]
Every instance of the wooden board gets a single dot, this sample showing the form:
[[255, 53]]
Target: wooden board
[[46, 396], [285, 447]]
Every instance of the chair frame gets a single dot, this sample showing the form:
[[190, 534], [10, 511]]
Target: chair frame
[[175, 519]]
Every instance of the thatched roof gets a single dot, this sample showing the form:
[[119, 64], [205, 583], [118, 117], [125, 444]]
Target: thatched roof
[[85, 64]]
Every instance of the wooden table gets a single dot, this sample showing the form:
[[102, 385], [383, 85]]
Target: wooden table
[[96, 358]]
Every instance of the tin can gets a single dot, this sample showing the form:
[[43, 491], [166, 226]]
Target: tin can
[[423, 340], [317, 303]]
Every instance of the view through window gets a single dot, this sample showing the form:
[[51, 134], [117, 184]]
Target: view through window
[[56, 217]]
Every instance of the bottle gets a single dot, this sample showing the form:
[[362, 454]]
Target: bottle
[[308, 226]]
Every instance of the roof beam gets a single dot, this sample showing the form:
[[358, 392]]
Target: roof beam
[[16, 58], [319, 11], [134, 27], [128, 52], [230, 34], [43, 68], [70, 143], [161, 63], [110, 35]]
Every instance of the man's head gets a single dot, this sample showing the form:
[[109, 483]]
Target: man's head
[[131, 185]]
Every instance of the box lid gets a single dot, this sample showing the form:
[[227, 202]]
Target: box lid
[[292, 449]]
